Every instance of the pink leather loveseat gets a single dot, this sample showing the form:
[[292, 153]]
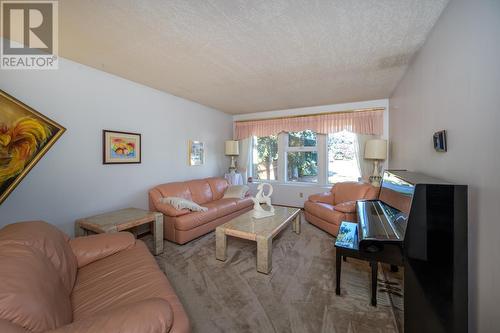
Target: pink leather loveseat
[[102, 283], [327, 210], [181, 226]]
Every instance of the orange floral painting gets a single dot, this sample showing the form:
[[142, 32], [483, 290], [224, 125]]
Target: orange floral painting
[[25, 136]]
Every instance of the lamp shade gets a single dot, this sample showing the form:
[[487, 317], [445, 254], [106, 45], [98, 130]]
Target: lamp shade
[[232, 148], [376, 149]]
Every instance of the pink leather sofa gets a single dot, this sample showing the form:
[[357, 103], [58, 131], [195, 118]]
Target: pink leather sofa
[[181, 226], [101, 283], [328, 210]]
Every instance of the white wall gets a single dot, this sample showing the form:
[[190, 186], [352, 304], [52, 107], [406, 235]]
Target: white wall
[[454, 84], [293, 194], [70, 181]]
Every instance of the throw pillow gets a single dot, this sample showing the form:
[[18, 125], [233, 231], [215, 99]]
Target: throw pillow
[[236, 191], [181, 203]]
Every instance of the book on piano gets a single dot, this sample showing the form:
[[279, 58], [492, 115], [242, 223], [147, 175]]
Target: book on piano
[[347, 236]]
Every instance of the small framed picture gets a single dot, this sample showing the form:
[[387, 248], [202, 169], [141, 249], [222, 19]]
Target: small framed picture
[[121, 147], [196, 153]]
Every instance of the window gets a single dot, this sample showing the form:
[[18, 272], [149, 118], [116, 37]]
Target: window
[[305, 157], [342, 162], [302, 157], [265, 158]]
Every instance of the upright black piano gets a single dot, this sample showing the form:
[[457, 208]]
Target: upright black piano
[[421, 222]]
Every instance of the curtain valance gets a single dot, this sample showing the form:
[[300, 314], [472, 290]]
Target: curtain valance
[[369, 122]]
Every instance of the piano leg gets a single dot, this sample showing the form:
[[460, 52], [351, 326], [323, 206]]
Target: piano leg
[[374, 266], [338, 268]]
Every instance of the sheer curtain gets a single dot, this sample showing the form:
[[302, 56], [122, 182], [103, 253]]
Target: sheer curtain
[[365, 166], [245, 157]]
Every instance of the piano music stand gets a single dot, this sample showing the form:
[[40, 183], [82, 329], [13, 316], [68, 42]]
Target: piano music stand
[[348, 247]]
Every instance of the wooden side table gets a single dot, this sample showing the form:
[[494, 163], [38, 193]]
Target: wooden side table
[[121, 220]]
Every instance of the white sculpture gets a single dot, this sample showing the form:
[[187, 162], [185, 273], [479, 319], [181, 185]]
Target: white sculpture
[[258, 211]]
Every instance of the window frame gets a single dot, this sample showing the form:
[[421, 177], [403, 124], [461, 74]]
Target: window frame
[[301, 149], [250, 168], [321, 149]]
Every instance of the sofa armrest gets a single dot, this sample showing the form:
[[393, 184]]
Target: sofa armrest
[[148, 316], [91, 248], [169, 210], [326, 197], [346, 207]]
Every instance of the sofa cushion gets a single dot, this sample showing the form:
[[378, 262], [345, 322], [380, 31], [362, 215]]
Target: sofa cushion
[[32, 294], [91, 248], [218, 186], [326, 197], [224, 206], [216, 209], [200, 191], [177, 189], [346, 207], [195, 219], [322, 210], [124, 278], [350, 191], [236, 191], [50, 241], [244, 203]]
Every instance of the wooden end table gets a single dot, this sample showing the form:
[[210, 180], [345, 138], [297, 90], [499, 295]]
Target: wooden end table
[[262, 231], [121, 220]]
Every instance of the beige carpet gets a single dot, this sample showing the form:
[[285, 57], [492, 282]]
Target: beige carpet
[[298, 295]]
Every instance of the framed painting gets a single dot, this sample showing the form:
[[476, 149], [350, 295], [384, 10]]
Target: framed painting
[[25, 136], [196, 153], [121, 147]]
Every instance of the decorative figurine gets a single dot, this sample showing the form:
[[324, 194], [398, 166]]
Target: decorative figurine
[[258, 211]]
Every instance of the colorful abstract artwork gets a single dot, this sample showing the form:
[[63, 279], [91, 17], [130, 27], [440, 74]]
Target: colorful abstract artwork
[[121, 147], [25, 136]]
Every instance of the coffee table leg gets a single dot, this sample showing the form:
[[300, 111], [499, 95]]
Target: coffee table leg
[[296, 224], [264, 254], [158, 234], [220, 244]]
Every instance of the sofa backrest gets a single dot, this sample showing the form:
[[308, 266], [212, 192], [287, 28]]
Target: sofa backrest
[[218, 186], [37, 275], [352, 191], [200, 191]]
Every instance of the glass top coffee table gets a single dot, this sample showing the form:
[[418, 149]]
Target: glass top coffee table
[[261, 231]]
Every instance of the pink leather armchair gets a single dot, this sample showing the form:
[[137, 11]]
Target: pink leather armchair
[[327, 210]]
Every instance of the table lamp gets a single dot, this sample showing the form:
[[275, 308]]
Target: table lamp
[[376, 150], [232, 149]]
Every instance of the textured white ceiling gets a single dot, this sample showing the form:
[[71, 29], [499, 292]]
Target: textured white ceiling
[[243, 56]]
